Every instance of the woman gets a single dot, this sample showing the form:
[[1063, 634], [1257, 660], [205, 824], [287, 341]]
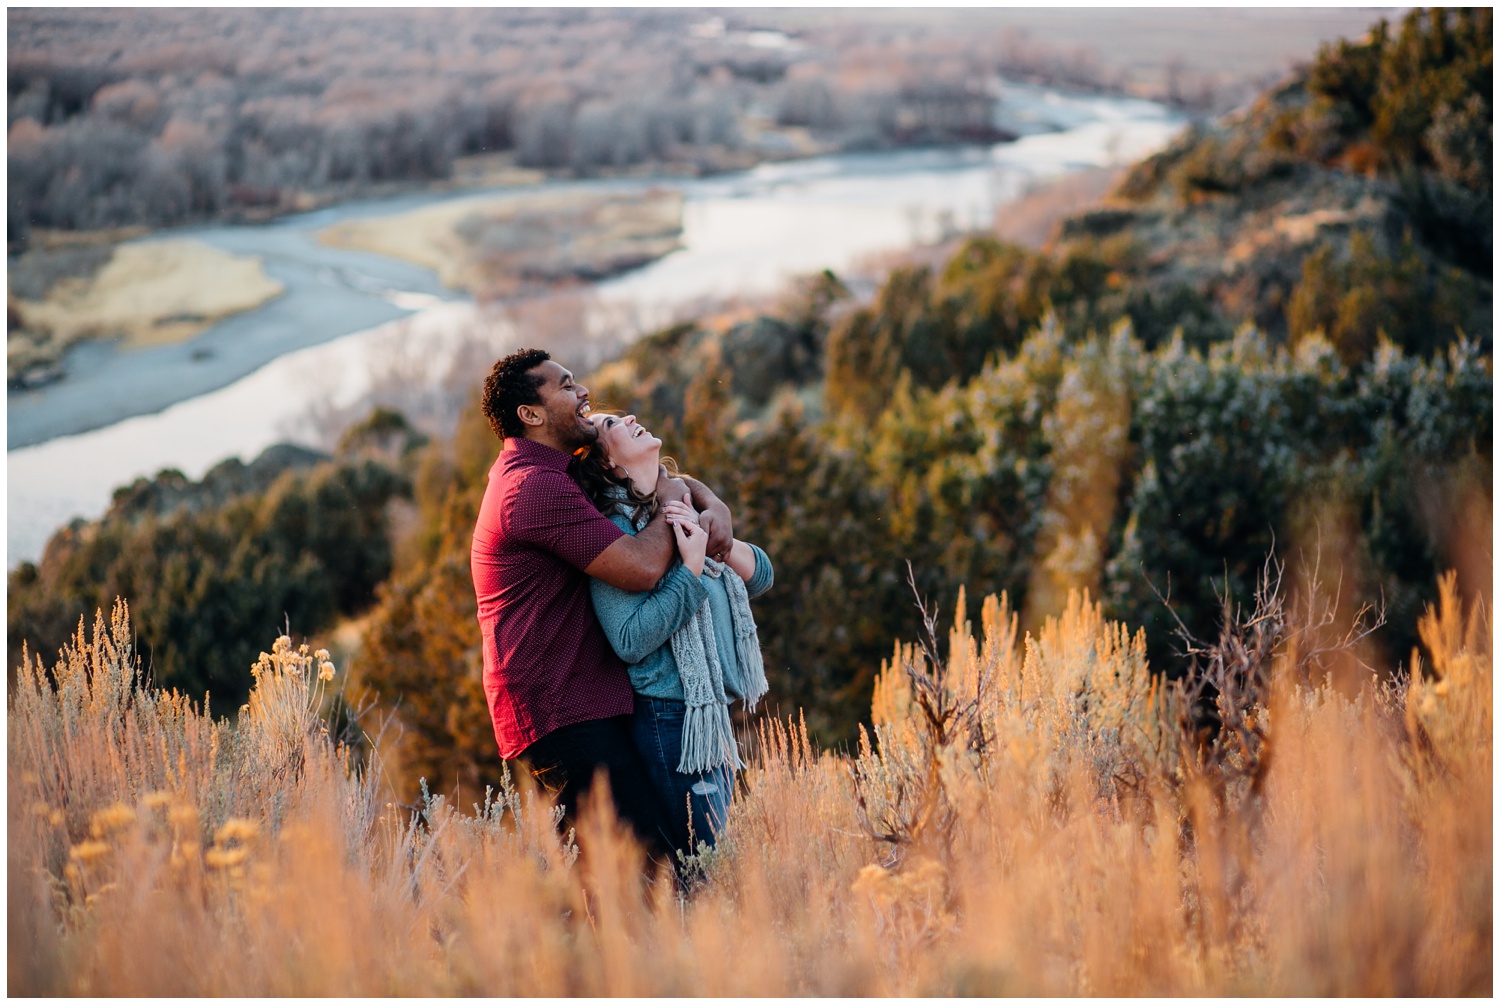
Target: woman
[[690, 642]]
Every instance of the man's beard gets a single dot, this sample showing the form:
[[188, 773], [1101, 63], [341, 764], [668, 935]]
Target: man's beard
[[578, 433]]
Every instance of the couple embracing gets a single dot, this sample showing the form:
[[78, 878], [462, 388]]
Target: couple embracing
[[614, 609]]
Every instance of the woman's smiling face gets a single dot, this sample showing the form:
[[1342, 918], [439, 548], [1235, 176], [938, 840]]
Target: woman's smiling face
[[625, 441]]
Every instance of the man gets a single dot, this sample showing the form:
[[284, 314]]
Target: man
[[559, 697]]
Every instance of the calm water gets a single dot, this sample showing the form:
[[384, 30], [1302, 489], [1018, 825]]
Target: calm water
[[743, 235]]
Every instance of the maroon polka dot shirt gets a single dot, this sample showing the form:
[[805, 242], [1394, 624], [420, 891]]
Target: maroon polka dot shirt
[[547, 663]]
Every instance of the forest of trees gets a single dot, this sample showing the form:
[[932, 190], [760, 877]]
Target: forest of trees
[[1018, 421], [157, 117], [295, 538]]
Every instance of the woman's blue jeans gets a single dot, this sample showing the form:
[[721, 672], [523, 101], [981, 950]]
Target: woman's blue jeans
[[700, 801]]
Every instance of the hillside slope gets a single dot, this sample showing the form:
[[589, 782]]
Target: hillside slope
[[1145, 410], [1355, 198]]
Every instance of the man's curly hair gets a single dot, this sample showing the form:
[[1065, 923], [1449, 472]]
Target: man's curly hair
[[510, 385]]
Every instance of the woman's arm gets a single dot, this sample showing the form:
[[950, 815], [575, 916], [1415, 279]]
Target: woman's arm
[[752, 565], [741, 559], [639, 623], [746, 560]]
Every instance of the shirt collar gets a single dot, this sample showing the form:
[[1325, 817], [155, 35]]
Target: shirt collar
[[537, 453]]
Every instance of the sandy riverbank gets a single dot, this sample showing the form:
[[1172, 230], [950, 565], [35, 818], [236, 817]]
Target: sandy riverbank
[[162, 321], [150, 293], [490, 244]]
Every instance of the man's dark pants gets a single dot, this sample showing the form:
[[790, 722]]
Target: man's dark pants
[[565, 760]]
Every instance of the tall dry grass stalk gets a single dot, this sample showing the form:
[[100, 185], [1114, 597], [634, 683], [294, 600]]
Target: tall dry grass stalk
[[1033, 815]]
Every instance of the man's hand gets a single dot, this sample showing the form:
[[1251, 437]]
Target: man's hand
[[719, 529], [691, 539], [713, 517], [669, 489]]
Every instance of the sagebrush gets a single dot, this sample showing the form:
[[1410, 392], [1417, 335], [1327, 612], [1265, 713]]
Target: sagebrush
[[1031, 816]]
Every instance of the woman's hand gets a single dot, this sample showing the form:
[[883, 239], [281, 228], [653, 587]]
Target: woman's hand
[[692, 540], [680, 511]]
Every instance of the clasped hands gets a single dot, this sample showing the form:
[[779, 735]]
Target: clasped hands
[[713, 520]]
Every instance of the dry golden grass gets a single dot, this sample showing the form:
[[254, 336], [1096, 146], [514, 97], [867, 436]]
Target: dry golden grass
[[1028, 819], [149, 294]]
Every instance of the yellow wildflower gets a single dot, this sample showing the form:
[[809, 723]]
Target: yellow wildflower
[[237, 829], [85, 851], [322, 655], [224, 858], [325, 670], [111, 818]]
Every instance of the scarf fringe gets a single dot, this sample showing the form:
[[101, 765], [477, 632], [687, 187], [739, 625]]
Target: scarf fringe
[[707, 735], [747, 648], [708, 740]]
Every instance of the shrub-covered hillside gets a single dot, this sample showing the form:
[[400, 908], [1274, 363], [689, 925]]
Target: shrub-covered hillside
[[160, 117], [294, 538], [1039, 422], [1139, 411], [1355, 199]]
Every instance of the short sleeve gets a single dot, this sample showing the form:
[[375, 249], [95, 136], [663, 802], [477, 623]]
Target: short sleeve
[[548, 510]]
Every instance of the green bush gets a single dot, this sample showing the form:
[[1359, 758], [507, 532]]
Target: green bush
[[1235, 447], [207, 583], [1420, 305], [1421, 100]]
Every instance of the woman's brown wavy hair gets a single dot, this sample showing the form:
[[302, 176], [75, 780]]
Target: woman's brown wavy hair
[[604, 488]]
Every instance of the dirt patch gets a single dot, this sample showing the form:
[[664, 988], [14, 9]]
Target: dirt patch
[[1032, 220], [146, 294], [495, 245]]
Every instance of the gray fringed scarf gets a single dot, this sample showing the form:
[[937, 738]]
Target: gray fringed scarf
[[707, 738]]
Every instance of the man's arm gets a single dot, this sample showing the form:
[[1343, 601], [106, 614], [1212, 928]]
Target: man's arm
[[637, 563], [638, 624], [713, 517]]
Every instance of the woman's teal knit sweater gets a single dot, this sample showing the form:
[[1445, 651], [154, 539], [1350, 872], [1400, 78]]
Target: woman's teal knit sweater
[[640, 625]]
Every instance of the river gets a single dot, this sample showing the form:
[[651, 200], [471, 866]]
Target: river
[[351, 321]]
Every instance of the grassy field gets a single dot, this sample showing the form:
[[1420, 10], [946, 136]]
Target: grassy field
[[1031, 816], [150, 293]]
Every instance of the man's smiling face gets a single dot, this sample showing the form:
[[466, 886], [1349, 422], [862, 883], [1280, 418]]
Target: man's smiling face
[[565, 404]]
